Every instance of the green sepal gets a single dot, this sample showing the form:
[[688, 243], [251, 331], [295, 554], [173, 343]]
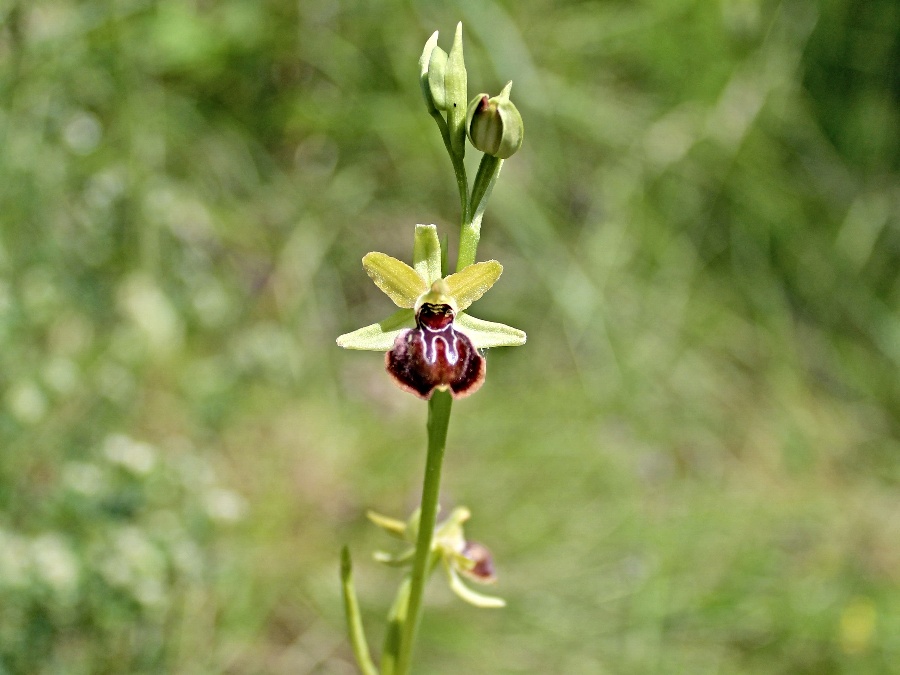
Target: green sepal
[[467, 594], [397, 279], [379, 337], [394, 527], [424, 62], [455, 85], [400, 560], [427, 253], [355, 628], [487, 334], [513, 127], [451, 527], [469, 284]]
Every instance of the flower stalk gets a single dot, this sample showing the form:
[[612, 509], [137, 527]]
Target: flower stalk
[[433, 349], [439, 408]]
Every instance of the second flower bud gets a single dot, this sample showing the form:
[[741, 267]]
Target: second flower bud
[[494, 125]]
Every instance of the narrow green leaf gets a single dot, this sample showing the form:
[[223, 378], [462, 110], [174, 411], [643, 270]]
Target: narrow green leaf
[[488, 170], [487, 334], [394, 277], [471, 283], [427, 253], [354, 620], [394, 633], [379, 337]]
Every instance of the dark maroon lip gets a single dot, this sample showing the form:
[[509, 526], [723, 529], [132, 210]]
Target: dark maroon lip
[[435, 355]]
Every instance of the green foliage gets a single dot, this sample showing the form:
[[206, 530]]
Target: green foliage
[[692, 466]]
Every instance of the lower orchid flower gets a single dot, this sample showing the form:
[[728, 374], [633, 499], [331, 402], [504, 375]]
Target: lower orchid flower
[[459, 556], [430, 342]]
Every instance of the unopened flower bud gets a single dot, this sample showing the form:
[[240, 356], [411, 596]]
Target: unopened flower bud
[[443, 79], [425, 74], [437, 67], [494, 125]]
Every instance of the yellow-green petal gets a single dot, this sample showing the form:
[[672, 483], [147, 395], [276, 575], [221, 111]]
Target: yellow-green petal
[[379, 337], [469, 284], [400, 281]]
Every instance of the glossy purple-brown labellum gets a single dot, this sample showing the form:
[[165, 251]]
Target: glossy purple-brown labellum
[[483, 569], [435, 355]]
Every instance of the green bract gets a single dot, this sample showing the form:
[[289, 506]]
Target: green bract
[[411, 287]]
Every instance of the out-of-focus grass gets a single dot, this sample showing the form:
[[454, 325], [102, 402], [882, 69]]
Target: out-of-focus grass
[[691, 467]]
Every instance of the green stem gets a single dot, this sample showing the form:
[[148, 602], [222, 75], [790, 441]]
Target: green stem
[[470, 232], [459, 167], [438, 420]]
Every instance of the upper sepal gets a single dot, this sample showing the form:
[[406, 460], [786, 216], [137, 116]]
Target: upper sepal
[[427, 253]]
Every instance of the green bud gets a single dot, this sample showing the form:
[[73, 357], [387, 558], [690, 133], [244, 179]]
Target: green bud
[[424, 66], [437, 67], [455, 81], [494, 125]]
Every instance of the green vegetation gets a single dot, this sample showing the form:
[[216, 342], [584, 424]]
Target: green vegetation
[[691, 467]]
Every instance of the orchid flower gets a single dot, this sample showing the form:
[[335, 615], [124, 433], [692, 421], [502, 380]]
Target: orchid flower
[[431, 343], [460, 557]]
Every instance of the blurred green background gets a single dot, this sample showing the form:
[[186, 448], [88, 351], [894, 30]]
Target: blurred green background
[[693, 465]]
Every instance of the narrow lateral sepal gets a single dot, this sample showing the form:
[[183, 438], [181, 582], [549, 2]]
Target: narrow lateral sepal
[[487, 334], [379, 337]]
